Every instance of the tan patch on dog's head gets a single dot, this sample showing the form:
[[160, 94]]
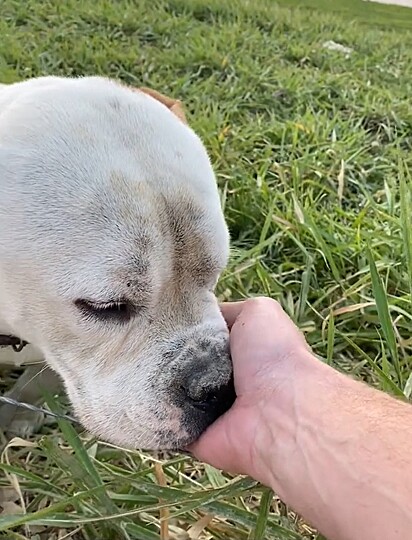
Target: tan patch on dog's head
[[192, 254], [174, 105]]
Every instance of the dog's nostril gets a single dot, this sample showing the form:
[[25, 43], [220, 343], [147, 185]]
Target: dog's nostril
[[202, 402], [213, 402]]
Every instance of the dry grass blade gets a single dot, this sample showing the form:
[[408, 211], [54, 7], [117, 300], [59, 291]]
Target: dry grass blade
[[197, 528], [164, 512]]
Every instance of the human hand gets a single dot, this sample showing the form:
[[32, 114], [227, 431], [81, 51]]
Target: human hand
[[265, 345], [321, 440]]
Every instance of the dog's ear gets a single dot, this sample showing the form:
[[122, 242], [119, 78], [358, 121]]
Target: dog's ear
[[173, 105]]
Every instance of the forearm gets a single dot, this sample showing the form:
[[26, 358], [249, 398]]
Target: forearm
[[340, 454]]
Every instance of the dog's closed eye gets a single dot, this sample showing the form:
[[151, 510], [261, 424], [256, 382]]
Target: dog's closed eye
[[116, 310]]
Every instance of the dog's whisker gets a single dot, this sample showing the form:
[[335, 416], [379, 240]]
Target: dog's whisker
[[34, 377]]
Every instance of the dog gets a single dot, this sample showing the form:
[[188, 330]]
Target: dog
[[112, 240]]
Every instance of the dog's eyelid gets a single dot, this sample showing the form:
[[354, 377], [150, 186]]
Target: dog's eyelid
[[107, 304], [100, 304], [113, 310]]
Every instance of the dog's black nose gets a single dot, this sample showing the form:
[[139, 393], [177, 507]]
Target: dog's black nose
[[209, 400], [202, 374]]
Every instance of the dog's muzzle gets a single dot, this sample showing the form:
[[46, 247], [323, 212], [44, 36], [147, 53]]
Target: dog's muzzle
[[200, 371]]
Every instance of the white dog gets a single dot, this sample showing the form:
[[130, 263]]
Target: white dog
[[112, 239]]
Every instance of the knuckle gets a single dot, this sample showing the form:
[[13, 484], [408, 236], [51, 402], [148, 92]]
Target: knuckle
[[264, 302]]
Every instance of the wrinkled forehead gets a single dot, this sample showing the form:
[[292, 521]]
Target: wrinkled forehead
[[188, 230], [141, 243], [198, 236]]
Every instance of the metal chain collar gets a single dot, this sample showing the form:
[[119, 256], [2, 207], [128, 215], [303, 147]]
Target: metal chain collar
[[18, 345], [15, 343], [30, 407]]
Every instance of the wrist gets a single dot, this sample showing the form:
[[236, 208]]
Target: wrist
[[327, 442], [282, 414]]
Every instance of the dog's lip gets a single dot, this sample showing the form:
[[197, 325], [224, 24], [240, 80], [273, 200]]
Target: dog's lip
[[182, 447], [185, 452], [182, 444]]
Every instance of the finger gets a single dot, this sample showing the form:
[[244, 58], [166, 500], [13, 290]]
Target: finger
[[213, 447], [216, 446], [231, 311], [263, 330], [258, 317]]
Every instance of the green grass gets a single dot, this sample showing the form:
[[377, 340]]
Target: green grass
[[312, 150], [358, 10]]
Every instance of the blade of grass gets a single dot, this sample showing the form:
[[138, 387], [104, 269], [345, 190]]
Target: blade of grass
[[41, 516], [323, 246], [262, 518], [386, 368], [38, 481], [406, 219], [382, 307], [91, 474], [408, 387], [304, 289], [331, 338], [383, 378]]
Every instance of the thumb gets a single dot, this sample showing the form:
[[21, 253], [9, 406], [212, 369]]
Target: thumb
[[219, 444], [230, 311]]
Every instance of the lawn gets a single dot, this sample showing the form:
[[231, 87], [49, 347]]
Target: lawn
[[312, 149]]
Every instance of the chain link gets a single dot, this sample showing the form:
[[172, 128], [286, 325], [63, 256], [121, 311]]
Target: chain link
[[17, 345], [30, 407]]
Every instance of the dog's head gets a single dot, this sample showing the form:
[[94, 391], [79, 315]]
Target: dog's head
[[112, 239]]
